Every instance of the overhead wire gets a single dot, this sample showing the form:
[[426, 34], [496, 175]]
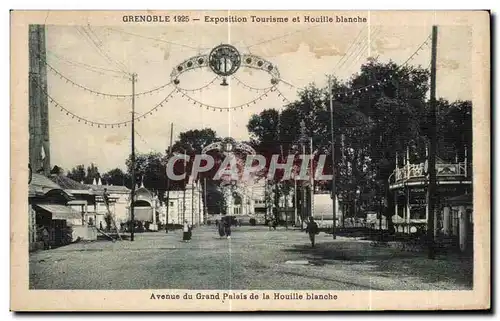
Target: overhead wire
[[357, 53], [349, 48], [156, 39], [85, 34], [282, 36], [98, 70], [100, 42]]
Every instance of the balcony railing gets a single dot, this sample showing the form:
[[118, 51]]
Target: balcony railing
[[442, 170]]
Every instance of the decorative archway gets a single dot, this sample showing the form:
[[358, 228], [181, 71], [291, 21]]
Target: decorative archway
[[143, 205], [229, 147]]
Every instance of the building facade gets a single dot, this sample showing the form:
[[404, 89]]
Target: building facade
[[119, 199], [48, 209], [184, 205], [453, 218]]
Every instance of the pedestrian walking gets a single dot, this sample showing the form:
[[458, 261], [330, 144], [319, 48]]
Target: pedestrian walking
[[312, 230], [186, 232], [227, 228], [46, 238], [220, 228]]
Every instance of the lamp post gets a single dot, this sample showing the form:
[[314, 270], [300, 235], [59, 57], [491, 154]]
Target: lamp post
[[334, 192], [358, 192]]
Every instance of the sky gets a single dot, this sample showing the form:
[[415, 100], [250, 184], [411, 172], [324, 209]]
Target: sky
[[303, 53]]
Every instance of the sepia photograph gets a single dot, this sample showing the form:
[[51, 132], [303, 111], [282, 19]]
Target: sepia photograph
[[250, 160]]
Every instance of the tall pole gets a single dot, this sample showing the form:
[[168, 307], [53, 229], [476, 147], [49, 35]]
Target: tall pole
[[168, 179], [265, 200], [304, 197], [132, 194], [184, 192], [334, 192], [431, 190], [286, 209], [311, 173], [295, 198], [198, 195], [205, 207], [192, 204], [39, 140]]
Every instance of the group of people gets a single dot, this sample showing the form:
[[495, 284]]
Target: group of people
[[224, 229]]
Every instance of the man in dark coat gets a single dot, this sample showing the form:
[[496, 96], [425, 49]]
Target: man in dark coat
[[312, 229], [227, 227], [220, 228]]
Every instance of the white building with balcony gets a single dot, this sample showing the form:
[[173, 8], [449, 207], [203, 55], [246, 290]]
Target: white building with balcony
[[453, 216]]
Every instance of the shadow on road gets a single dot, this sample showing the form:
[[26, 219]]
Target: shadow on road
[[390, 262], [351, 284]]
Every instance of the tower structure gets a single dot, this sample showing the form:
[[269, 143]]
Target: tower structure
[[39, 143]]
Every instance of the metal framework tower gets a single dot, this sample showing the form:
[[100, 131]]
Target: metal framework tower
[[39, 142]]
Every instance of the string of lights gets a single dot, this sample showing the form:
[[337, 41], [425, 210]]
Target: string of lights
[[199, 88], [102, 94], [98, 124], [251, 88], [378, 83], [215, 108], [289, 84], [387, 78], [426, 42], [280, 95], [144, 141]]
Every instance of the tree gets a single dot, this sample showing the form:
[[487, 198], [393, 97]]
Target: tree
[[193, 141], [216, 204], [77, 173], [454, 129], [92, 173], [382, 117], [116, 177], [150, 170]]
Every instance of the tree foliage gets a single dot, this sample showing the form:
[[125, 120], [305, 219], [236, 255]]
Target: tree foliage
[[383, 118], [86, 175], [116, 177], [77, 173]]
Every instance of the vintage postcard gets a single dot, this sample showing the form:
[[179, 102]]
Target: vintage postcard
[[250, 160]]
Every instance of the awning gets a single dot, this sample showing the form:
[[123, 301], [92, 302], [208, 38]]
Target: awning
[[78, 202], [60, 212]]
